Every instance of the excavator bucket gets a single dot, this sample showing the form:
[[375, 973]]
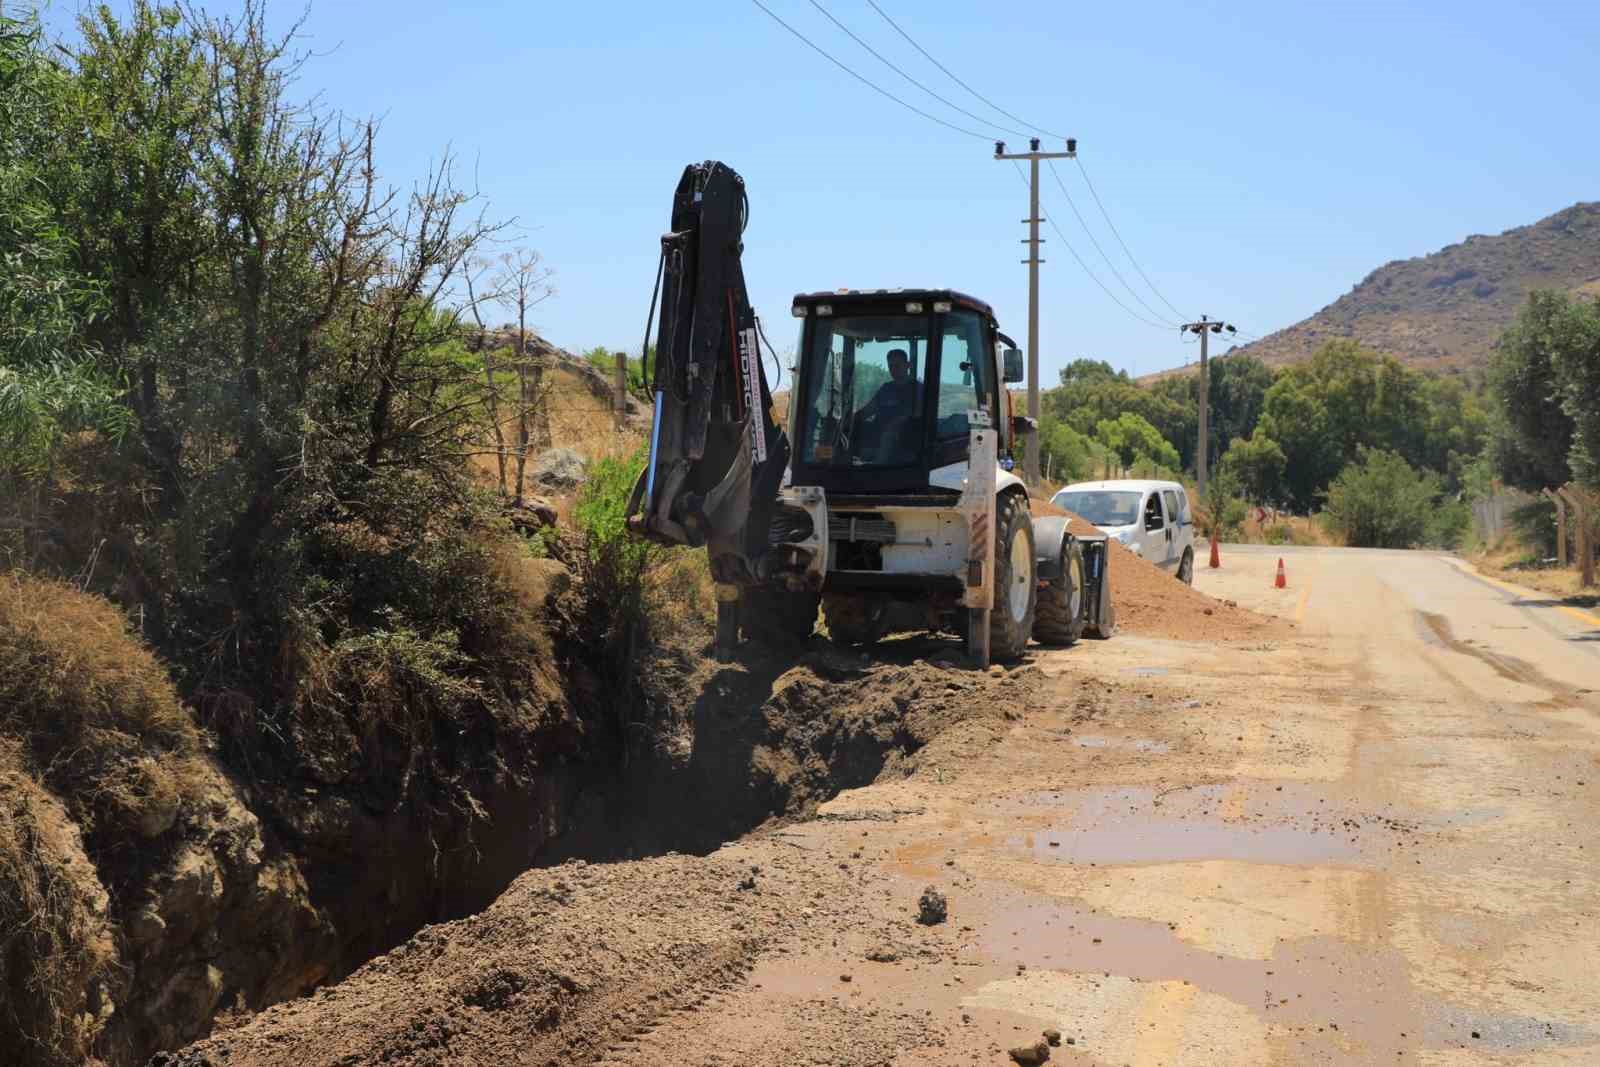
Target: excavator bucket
[[716, 452]]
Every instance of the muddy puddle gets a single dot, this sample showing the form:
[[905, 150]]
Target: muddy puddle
[[1246, 822], [1322, 988]]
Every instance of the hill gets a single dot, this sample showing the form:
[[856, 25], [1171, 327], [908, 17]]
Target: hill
[[1444, 311]]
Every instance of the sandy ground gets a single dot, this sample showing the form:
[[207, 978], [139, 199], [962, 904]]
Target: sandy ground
[[1370, 838]]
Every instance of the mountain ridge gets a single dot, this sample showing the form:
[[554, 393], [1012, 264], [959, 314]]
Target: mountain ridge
[[1444, 311]]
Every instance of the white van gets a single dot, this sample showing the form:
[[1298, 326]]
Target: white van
[[1150, 518]]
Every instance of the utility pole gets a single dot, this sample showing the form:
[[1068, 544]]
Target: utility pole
[[1204, 327], [1033, 155]]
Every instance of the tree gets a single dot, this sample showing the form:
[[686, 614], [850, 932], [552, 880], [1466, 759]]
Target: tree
[[1344, 399], [1533, 432], [523, 284], [1259, 464], [1577, 367], [52, 382], [1381, 501], [1131, 437]]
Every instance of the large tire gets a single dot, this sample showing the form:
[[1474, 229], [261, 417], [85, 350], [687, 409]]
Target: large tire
[[1186, 567], [778, 618], [1016, 589], [1061, 612], [855, 620]]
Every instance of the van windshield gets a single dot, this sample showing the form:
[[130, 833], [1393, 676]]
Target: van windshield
[[1099, 506]]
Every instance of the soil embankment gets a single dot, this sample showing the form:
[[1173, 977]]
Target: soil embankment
[[574, 958]]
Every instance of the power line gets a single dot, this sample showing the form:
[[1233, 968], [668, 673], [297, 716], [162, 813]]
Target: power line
[[880, 57], [869, 84], [1105, 215], [1114, 272], [1085, 267], [958, 81]]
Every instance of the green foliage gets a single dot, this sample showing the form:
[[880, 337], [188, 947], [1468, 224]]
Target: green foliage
[[1381, 501], [1577, 367], [1259, 465], [606, 363], [50, 384], [1068, 455], [1533, 433], [1345, 399], [1131, 437], [613, 565], [1092, 393]]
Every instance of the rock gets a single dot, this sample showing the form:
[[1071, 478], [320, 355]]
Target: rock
[[844, 978], [560, 468], [932, 907], [1027, 1055], [1053, 1036], [534, 513]]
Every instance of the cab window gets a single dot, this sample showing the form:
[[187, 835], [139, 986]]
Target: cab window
[[1170, 498], [1152, 513], [963, 382]]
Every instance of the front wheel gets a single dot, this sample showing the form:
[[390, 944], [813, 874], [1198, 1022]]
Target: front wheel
[[1061, 613], [1186, 567], [1016, 585]]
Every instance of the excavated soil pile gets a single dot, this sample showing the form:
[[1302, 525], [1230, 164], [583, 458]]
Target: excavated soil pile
[[1151, 602], [573, 963]]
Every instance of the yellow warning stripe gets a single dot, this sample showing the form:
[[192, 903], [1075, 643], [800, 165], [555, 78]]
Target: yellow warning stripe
[[1524, 592]]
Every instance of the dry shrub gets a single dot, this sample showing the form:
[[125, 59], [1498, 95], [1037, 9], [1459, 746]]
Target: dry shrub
[[94, 714], [56, 948]]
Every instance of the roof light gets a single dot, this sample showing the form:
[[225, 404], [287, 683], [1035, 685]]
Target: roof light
[[941, 306], [913, 307], [798, 311], [824, 310]]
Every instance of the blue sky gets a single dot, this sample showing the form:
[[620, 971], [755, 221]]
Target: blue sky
[[1258, 158]]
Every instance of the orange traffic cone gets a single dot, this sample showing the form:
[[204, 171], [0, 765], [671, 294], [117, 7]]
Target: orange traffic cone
[[1280, 582], [1216, 560]]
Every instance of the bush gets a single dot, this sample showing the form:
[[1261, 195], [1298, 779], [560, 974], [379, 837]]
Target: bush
[[55, 943], [94, 714], [1381, 501], [610, 563]]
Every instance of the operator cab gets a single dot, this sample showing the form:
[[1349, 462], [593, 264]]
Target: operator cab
[[885, 382]]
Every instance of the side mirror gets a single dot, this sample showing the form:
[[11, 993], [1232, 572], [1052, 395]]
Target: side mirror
[[1022, 425], [1012, 370]]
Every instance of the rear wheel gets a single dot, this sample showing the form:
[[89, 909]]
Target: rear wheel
[[1186, 567], [1061, 612], [777, 617], [855, 620], [1015, 585]]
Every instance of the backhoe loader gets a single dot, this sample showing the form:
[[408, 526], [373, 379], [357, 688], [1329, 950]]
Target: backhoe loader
[[887, 499]]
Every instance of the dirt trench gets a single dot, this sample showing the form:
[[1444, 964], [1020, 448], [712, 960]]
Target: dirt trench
[[579, 952]]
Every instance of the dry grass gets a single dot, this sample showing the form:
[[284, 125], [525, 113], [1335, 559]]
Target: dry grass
[[56, 946], [1510, 560], [94, 714]]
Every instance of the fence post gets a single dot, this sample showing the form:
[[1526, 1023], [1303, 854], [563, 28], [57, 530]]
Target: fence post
[[1561, 525], [619, 392], [1579, 502]]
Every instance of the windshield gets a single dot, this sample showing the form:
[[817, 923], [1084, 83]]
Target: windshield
[[1101, 507], [864, 391]]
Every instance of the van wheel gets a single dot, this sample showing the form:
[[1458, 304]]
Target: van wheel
[[1061, 610], [1016, 587], [855, 620], [777, 618], [1186, 567]]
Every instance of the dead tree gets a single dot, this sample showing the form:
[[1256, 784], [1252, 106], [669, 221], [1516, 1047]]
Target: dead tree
[[492, 388], [523, 283]]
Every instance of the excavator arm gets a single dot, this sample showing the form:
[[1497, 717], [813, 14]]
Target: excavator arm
[[717, 455]]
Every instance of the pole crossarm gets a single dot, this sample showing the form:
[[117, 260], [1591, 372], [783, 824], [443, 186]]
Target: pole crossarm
[[1204, 329]]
